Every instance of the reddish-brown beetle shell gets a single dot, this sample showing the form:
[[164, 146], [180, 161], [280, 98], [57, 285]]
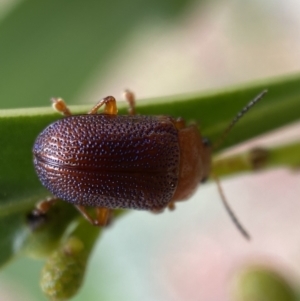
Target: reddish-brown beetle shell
[[136, 162], [109, 160]]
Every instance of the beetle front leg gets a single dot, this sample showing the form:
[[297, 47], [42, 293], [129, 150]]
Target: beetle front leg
[[43, 207], [37, 216], [102, 219], [59, 105], [110, 106]]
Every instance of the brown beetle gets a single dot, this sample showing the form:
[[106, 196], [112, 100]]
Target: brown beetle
[[110, 161]]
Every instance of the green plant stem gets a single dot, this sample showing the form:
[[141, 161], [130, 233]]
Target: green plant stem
[[20, 187], [257, 159]]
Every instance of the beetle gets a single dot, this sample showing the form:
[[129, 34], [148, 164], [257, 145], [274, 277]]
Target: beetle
[[110, 161]]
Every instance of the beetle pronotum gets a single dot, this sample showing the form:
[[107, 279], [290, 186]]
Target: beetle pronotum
[[111, 161]]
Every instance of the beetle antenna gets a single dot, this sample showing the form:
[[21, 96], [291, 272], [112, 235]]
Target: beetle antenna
[[218, 143], [229, 210], [239, 115]]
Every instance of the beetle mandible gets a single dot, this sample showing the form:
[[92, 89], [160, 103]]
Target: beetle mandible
[[111, 161]]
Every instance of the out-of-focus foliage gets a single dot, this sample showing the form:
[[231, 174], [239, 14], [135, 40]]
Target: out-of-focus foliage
[[51, 48], [260, 283]]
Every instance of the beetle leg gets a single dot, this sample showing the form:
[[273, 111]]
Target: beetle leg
[[171, 206], [110, 106], [179, 123], [59, 105], [44, 206], [102, 215], [130, 98], [86, 215], [38, 215]]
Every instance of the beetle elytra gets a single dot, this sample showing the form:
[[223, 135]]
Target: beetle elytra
[[110, 161]]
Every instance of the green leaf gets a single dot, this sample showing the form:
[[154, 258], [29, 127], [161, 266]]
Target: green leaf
[[20, 188]]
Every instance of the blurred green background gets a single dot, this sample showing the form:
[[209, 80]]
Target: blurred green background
[[84, 50], [56, 47]]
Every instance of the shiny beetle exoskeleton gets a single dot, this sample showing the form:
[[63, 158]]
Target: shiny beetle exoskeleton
[[110, 161]]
